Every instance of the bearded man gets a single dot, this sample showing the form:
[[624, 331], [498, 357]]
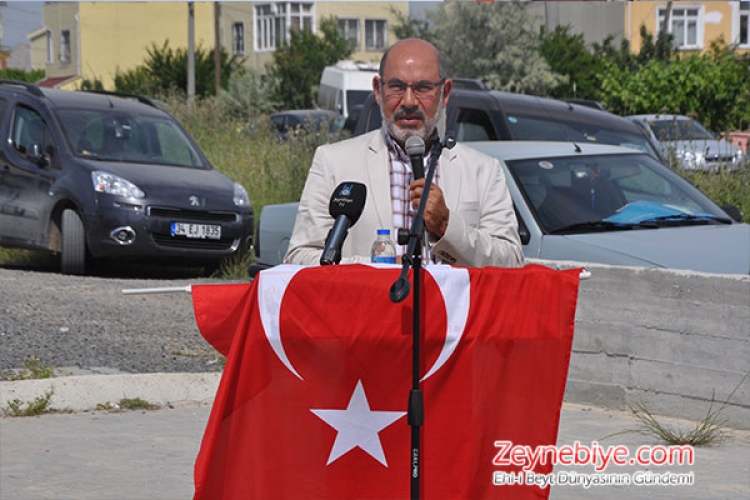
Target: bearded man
[[468, 216]]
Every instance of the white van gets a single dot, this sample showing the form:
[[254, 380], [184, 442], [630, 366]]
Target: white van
[[345, 85]]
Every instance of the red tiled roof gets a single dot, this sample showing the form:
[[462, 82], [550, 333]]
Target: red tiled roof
[[53, 82]]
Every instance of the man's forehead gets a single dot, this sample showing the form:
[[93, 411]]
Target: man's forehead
[[404, 62]]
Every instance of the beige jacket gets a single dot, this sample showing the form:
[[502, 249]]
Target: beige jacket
[[482, 228]]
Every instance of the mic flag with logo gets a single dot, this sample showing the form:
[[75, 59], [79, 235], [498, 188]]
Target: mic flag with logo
[[313, 398]]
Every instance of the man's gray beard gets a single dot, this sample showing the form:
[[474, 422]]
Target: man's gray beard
[[425, 131]]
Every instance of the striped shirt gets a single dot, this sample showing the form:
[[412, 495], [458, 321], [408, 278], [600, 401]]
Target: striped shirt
[[401, 177]]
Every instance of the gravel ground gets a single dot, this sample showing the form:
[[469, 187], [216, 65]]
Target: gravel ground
[[88, 324]]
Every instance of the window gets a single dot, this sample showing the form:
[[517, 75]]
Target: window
[[273, 22], [685, 25], [50, 48], [376, 34], [300, 16], [349, 29], [744, 24], [29, 130], [65, 46], [238, 38]]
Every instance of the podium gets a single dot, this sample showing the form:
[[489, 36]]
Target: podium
[[313, 397]]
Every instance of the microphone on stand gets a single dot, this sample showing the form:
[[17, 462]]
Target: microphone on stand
[[347, 203], [414, 147]]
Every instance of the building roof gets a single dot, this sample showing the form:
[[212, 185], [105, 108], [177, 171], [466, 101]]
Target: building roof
[[54, 82]]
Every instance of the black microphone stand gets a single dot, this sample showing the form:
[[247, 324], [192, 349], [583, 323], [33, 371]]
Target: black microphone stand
[[412, 259]]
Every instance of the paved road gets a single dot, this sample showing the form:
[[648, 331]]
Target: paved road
[[141, 455]]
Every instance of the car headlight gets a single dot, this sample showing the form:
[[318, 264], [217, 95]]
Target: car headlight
[[104, 182], [739, 156], [241, 199], [691, 159]]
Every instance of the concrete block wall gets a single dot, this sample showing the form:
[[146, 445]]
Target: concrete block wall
[[671, 340]]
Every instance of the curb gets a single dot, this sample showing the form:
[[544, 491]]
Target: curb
[[85, 392]]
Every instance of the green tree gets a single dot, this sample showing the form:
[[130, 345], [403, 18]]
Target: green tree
[[165, 71], [714, 88], [91, 84], [568, 55], [298, 64], [495, 42]]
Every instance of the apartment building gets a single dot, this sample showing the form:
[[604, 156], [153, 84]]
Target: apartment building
[[94, 40]]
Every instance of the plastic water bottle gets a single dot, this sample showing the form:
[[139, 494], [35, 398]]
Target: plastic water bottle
[[383, 249]]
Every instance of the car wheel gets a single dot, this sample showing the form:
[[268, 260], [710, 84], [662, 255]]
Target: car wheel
[[73, 249]]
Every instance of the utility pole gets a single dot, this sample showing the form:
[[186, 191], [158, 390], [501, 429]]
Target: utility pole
[[191, 54], [217, 46], [667, 18]]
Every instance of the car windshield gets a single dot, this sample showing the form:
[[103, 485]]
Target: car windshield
[[319, 122], [609, 192], [531, 128], [356, 98], [680, 130], [114, 136]]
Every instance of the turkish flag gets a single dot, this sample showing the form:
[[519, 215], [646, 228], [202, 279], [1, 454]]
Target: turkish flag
[[313, 399]]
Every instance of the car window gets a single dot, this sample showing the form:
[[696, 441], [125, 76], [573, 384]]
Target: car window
[[356, 97], [116, 136], [571, 190], [474, 125], [30, 129], [481, 125], [680, 130]]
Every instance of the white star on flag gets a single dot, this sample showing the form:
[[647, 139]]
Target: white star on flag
[[358, 426]]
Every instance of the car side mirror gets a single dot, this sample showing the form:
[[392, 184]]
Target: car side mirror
[[733, 212], [34, 154]]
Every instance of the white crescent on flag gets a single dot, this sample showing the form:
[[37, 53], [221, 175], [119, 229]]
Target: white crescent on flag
[[452, 282]]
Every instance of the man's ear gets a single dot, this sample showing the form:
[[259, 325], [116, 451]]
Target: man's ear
[[447, 88], [376, 88]]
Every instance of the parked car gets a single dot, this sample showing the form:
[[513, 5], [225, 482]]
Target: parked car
[[307, 121], [689, 145], [483, 115], [592, 203], [91, 175]]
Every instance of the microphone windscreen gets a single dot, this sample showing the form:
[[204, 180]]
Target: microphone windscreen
[[414, 146], [348, 199]]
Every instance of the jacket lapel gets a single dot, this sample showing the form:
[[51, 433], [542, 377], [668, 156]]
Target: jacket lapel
[[380, 180], [450, 178]]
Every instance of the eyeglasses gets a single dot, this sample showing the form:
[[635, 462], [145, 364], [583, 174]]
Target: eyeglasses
[[424, 89]]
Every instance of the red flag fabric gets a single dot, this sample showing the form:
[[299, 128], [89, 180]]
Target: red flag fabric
[[313, 399]]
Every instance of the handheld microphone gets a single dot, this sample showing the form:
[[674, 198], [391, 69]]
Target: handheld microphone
[[347, 203], [414, 147]]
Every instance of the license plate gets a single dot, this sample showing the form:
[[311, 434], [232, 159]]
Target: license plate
[[200, 231]]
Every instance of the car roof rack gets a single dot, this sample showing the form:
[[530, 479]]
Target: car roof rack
[[27, 85], [139, 98]]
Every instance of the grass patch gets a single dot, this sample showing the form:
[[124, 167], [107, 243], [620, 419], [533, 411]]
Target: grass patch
[[33, 369], [40, 405], [709, 430], [234, 268], [127, 404], [724, 187]]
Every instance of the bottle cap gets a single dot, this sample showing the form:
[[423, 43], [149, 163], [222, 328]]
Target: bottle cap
[[384, 231]]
